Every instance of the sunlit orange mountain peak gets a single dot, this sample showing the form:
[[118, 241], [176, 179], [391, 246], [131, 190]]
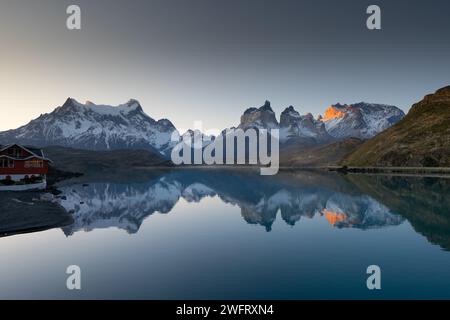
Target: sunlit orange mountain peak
[[332, 113], [334, 217]]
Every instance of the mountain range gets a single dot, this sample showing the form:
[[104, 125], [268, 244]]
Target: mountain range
[[102, 127], [361, 120], [95, 127], [357, 135]]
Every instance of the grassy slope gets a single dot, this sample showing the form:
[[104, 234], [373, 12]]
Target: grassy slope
[[422, 138], [317, 156]]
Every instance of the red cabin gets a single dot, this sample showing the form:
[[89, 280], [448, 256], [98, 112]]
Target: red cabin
[[22, 163]]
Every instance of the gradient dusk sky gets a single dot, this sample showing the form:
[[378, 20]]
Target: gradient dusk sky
[[209, 60]]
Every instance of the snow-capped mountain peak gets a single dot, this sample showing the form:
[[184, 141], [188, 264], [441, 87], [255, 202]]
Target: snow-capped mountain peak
[[126, 126], [95, 127], [122, 109], [360, 120], [294, 125], [340, 121], [259, 118]]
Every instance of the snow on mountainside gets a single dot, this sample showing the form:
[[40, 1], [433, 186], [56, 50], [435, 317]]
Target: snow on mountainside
[[292, 125], [259, 118], [95, 127], [103, 127], [361, 120]]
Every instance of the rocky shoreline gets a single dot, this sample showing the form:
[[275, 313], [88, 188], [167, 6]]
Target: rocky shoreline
[[23, 212], [35, 210], [423, 171]]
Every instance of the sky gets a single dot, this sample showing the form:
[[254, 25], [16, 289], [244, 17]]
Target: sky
[[209, 60]]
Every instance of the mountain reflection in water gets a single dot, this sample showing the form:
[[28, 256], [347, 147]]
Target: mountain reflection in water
[[353, 201]]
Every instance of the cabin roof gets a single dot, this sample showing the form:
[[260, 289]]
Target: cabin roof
[[35, 152]]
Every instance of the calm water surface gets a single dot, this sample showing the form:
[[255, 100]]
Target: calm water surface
[[205, 234]]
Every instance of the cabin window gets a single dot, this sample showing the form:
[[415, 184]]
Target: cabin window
[[34, 164], [6, 163], [14, 152]]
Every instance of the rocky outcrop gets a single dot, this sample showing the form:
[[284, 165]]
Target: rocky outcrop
[[421, 139]]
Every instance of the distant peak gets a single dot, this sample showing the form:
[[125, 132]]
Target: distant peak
[[266, 106], [262, 117], [369, 104], [70, 101], [132, 102], [338, 105], [122, 109], [289, 109], [333, 112]]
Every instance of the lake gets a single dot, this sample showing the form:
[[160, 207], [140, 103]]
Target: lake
[[233, 234]]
